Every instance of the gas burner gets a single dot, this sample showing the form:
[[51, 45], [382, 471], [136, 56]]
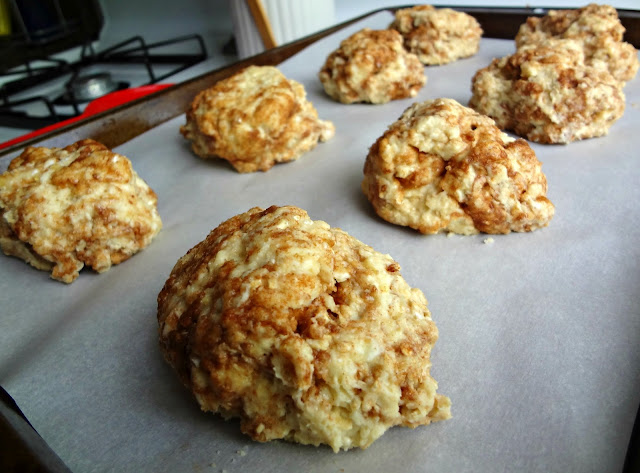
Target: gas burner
[[89, 87], [92, 86]]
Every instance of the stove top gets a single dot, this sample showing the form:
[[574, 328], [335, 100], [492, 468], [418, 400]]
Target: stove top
[[50, 90]]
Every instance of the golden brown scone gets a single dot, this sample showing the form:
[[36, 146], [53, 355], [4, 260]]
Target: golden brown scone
[[597, 29], [444, 167], [438, 35], [372, 66], [546, 93], [64, 208], [254, 119], [300, 330]]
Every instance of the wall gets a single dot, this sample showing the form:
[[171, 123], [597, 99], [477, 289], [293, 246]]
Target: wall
[[157, 20]]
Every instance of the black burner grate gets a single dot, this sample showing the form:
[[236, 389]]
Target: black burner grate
[[134, 52]]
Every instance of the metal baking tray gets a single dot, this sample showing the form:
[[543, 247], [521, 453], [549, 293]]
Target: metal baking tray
[[133, 125]]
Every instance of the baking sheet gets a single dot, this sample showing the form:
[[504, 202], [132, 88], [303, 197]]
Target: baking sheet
[[539, 332]]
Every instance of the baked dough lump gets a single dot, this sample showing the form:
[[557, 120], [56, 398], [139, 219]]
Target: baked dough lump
[[443, 167], [301, 331], [254, 119], [64, 208], [545, 92], [438, 35], [372, 66], [596, 28]]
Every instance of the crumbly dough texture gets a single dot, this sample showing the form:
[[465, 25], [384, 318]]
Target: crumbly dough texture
[[300, 330], [444, 167], [546, 93], [254, 119], [438, 35], [372, 66], [64, 208], [596, 28]]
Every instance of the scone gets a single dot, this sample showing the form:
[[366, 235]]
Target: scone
[[301, 331], [596, 28], [546, 93], [254, 119], [443, 167], [372, 66], [438, 35], [64, 208]]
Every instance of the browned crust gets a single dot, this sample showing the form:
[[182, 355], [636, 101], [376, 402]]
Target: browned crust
[[443, 167], [598, 30], [75, 206], [438, 35], [254, 119], [372, 66], [255, 318], [546, 93]]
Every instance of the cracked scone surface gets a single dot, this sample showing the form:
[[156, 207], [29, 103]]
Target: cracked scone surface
[[300, 330], [64, 208], [254, 119], [596, 28], [437, 35], [372, 66], [546, 93], [444, 167]]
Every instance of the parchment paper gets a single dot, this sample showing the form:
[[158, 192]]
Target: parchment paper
[[539, 332]]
